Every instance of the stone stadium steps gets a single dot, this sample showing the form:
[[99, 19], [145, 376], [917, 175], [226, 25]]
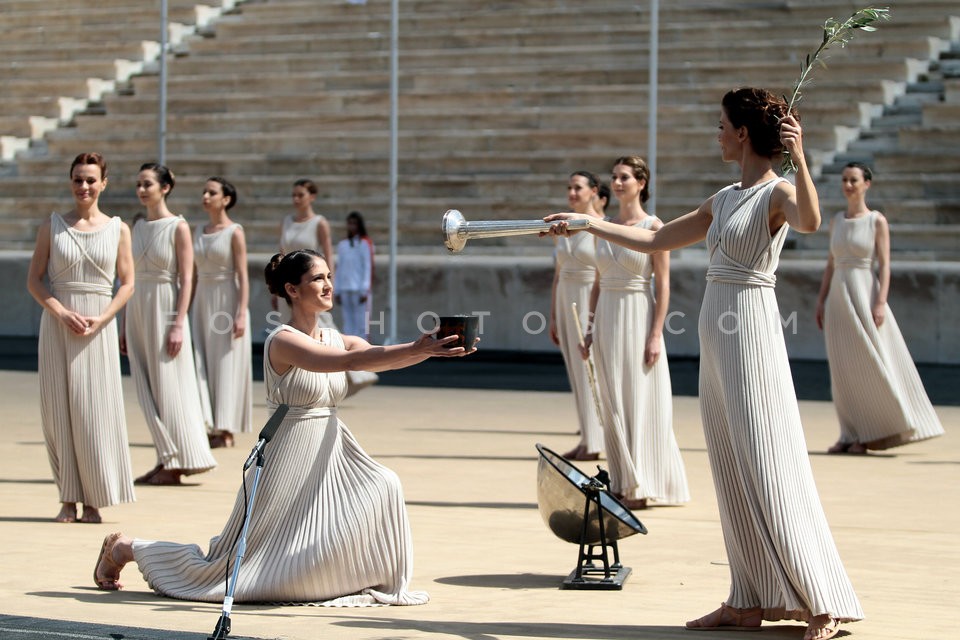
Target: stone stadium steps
[[67, 52], [277, 139], [922, 44], [71, 55], [731, 23], [239, 120], [499, 101], [312, 88], [595, 159]]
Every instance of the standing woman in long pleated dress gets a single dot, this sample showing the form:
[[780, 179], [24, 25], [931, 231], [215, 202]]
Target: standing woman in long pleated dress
[[329, 524], [156, 334], [220, 317], [628, 305], [878, 394], [83, 253], [575, 269], [303, 229], [784, 563]]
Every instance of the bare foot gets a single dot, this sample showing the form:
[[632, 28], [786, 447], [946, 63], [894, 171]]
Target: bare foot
[[106, 572], [857, 448], [729, 619], [821, 627], [91, 515], [68, 512]]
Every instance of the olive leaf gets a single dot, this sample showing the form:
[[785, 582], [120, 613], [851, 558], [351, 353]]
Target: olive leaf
[[834, 32]]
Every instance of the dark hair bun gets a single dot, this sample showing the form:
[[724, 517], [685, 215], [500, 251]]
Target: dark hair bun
[[284, 269], [270, 274]]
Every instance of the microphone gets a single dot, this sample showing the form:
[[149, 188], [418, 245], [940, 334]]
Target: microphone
[[266, 433]]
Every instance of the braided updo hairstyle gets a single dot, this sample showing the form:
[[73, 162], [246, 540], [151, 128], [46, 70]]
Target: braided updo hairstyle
[[760, 111], [640, 170], [283, 269]]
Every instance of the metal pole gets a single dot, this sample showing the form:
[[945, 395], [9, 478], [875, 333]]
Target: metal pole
[[653, 101], [162, 108], [394, 150]]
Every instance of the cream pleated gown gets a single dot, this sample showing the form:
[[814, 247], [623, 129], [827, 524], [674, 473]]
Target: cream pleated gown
[[224, 363], [877, 391], [166, 387], [329, 523], [81, 400], [781, 552], [637, 402], [297, 236], [575, 258]]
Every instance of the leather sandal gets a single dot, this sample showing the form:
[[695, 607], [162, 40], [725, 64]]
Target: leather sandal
[[824, 631], [220, 439], [145, 478], [728, 618], [839, 447], [106, 558]]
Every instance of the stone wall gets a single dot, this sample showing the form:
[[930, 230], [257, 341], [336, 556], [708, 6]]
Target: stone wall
[[513, 294]]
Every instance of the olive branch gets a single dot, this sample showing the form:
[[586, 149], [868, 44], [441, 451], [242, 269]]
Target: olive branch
[[834, 32]]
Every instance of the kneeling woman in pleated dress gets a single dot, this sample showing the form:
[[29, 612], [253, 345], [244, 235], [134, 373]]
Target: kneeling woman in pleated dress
[[329, 525]]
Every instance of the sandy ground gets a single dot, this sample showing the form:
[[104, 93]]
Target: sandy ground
[[468, 463]]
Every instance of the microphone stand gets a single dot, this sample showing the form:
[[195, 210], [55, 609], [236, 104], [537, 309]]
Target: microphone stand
[[222, 630]]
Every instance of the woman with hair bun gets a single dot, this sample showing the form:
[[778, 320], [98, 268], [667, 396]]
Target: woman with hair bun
[[628, 308], [784, 563], [305, 228], [156, 334], [221, 317], [575, 268], [877, 392], [78, 257], [330, 525]]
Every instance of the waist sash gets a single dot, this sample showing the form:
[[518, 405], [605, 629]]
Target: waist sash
[[83, 287], [852, 263], [624, 284], [739, 275], [298, 413]]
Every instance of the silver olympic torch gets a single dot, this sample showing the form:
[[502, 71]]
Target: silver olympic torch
[[456, 230]]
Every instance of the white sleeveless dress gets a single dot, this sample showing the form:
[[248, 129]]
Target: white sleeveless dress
[[329, 524], [575, 258], [224, 363], [166, 387], [877, 391], [81, 408], [296, 236], [637, 401], [781, 552], [299, 235]]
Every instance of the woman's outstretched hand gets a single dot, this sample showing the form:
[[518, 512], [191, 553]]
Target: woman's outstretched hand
[[559, 223], [430, 344]]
